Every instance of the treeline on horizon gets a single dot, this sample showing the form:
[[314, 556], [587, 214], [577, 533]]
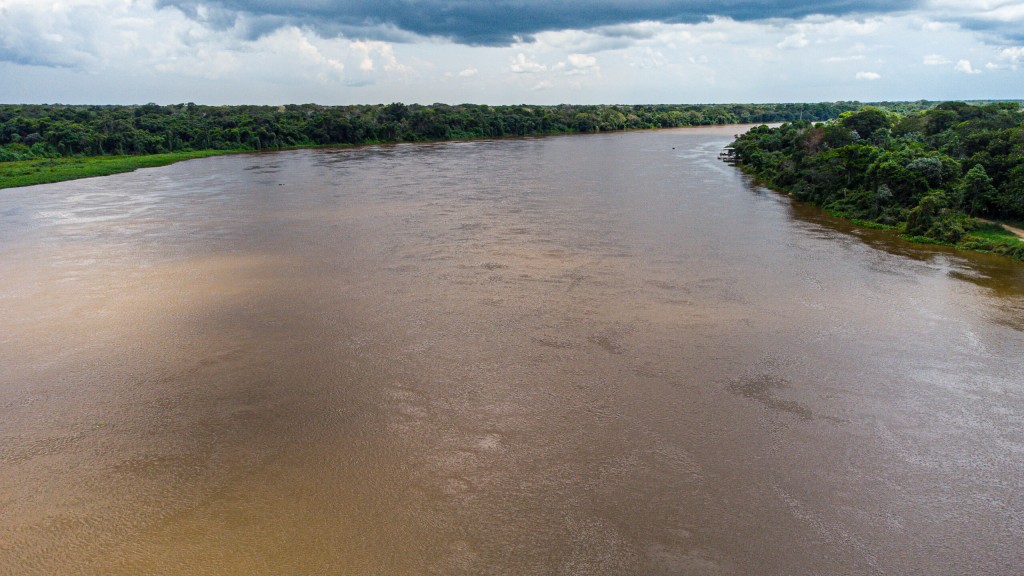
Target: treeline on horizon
[[49, 131], [929, 173]]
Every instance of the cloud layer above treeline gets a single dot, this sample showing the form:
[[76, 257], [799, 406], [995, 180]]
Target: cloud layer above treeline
[[506, 51]]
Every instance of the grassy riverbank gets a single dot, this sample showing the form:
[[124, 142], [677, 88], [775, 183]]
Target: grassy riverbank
[[995, 239], [48, 170]]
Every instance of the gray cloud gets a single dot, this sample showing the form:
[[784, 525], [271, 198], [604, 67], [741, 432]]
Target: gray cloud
[[1000, 31], [500, 22]]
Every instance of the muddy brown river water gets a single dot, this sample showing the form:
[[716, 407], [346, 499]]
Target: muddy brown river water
[[605, 354]]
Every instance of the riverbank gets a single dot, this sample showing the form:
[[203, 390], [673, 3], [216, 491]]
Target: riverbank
[[49, 170], [995, 238], [984, 236], [909, 172]]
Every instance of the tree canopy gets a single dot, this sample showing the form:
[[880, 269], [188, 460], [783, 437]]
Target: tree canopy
[[928, 172], [40, 131]]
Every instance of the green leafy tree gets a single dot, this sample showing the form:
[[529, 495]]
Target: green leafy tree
[[977, 194], [865, 122]]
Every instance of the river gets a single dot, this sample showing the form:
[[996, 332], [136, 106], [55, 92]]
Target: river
[[606, 354]]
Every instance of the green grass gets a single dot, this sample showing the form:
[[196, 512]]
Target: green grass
[[924, 240], [48, 170], [993, 233], [873, 225], [995, 239], [990, 238]]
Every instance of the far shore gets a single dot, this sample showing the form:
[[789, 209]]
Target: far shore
[[20, 173]]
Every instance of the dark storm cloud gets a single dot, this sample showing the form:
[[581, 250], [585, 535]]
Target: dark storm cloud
[[499, 22], [1001, 32]]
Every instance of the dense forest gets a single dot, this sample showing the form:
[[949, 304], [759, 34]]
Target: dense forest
[[49, 131], [935, 174]]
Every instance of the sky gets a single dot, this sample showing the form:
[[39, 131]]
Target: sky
[[508, 51]]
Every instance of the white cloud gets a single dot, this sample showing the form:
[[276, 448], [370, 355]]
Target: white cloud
[[647, 58], [1013, 56], [89, 34], [366, 63], [798, 40], [999, 19], [384, 53], [297, 55], [964, 66], [582, 64], [839, 59], [523, 65], [932, 26], [1009, 12], [118, 50], [207, 64], [134, 37], [936, 60], [828, 30], [585, 41], [294, 40], [577, 65], [992, 10]]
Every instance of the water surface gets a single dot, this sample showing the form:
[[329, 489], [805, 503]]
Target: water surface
[[569, 355]]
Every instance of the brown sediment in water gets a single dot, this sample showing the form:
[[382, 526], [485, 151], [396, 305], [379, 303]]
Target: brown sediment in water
[[532, 356]]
